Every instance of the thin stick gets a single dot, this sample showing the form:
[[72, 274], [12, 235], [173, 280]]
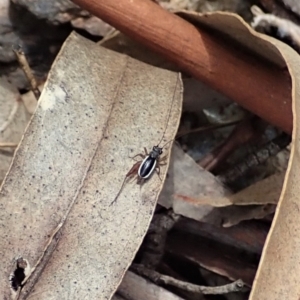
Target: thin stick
[[200, 129], [8, 145], [111, 34], [207, 128], [27, 71], [156, 277]]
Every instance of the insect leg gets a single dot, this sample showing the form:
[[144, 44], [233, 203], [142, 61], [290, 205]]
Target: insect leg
[[157, 170], [163, 159], [132, 172], [140, 180], [146, 152], [134, 169], [140, 155]]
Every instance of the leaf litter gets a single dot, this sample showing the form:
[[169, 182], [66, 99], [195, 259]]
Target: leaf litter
[[62, 145]]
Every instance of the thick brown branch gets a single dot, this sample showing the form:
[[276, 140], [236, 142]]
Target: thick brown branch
[[263, 89]]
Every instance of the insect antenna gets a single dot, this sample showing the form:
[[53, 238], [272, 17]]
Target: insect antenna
[[170, 110], [201, 129], [172, 140]]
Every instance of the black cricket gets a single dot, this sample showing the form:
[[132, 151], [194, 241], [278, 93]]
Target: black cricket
[[151, 161]]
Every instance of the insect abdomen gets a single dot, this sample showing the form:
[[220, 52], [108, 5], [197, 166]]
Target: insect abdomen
[[147, 167]]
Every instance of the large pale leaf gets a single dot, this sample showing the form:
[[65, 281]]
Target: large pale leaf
[[278, 275], [97, 108]]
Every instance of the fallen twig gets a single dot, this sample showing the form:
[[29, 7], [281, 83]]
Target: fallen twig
[[156, 277], [8, 145], [27, 70]]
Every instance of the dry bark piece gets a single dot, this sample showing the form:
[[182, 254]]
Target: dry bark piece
[[256, 157], [97, 106], [225, 261], [248, 236], [155, 240]]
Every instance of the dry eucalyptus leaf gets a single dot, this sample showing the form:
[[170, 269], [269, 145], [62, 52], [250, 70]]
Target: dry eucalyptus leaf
[[225, 216], [97, 108], [266, 191], [278, 276], [195, 193], [233, 215], [13, 120], [186, 178], [281, 249]]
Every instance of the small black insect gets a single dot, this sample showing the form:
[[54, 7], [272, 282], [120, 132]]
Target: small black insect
[[151, 161]]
